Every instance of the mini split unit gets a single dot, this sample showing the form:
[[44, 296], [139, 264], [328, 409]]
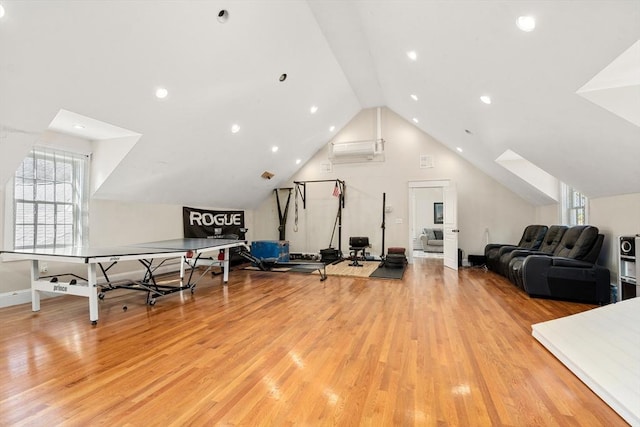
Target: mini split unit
[[355, 150]]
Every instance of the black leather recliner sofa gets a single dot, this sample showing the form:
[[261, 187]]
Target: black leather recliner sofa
[[531, 239], [580, 242], [550, 242], [571, 273], [563, 268]]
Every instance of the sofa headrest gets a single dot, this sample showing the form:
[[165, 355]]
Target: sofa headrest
[[532, 236], [577, 242], [552, 238]]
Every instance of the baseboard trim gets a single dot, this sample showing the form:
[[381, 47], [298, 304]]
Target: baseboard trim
[[23, 296], [8, 299]]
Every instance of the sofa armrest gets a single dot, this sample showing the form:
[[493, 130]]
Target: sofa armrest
[[506, 249], [563, 278], [493, 247], [527, 252], [568, 262]]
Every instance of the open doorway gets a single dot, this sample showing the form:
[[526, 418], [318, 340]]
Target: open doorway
[[428, 210], [433, 221]]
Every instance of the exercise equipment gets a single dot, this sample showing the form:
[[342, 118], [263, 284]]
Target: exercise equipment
[[357, 244], [383, 226], [395, 258], [268, 264], [339, 192], [282, 216]]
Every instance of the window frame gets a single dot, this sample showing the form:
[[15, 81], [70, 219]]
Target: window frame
[[570, 210], [44, 193]]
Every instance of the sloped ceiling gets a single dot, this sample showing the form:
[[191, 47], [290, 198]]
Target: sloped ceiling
[[104, 60]]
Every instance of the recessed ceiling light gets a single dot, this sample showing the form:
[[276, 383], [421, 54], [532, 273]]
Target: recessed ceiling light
[[1, 11], [298, 161], [78, 126], [274, 149], [223, 16], [412, 55], [459, 149], [161, 93], [414, 96], [235, 128], [313, 109], [526, 23], [415, 120], [486, 99], [332, 128]]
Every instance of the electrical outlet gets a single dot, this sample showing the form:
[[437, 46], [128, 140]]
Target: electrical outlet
[[44, 267]]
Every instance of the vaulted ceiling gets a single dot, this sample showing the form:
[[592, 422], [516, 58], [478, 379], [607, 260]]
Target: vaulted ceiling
[[104, 60]]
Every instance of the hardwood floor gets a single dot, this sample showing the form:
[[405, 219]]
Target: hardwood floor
[[438, 348]]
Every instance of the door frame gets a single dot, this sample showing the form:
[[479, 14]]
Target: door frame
[[439, 183]]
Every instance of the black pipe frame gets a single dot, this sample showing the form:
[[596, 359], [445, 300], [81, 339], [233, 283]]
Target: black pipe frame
[[341, 197]]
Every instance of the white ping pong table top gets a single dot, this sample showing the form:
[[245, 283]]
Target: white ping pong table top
[[149, 248], [189, 244]]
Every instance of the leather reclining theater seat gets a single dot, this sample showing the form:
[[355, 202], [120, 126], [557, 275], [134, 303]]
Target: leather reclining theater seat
[[511, 262], [561, 267], [531, 239]]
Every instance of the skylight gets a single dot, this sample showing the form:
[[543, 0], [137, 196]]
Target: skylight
[[530, 173]]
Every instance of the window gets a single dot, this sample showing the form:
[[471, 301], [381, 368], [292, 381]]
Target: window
[[49, 200], [574, 206]]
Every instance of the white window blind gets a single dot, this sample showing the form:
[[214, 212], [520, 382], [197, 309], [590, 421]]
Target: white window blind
[[574, 206], [50, 200]]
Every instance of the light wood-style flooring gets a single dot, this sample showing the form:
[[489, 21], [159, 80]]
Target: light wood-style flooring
[[439, 348]]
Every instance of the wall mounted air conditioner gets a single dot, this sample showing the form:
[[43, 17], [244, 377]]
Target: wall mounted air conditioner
[[364, 149]]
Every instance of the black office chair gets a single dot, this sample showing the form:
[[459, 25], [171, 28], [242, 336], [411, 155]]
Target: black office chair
[[357, 244]]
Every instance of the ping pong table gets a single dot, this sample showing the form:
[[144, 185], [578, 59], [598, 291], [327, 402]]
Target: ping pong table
[[189, 250]]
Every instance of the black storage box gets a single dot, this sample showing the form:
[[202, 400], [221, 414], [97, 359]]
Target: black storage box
[[476, 260]]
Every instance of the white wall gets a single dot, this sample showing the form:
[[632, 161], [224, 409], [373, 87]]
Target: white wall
[[482, 202], [424, 200]]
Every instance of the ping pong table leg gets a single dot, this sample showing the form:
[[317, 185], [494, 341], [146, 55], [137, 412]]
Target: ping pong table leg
[[35, 294], [182, 262], [225, 268], [93, 293]]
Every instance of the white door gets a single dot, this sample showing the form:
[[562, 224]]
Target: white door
[[450, 198]]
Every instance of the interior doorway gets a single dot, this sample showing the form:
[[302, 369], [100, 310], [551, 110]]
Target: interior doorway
[[433, 221]]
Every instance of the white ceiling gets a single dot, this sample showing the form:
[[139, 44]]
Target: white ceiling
[[105, 59]]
